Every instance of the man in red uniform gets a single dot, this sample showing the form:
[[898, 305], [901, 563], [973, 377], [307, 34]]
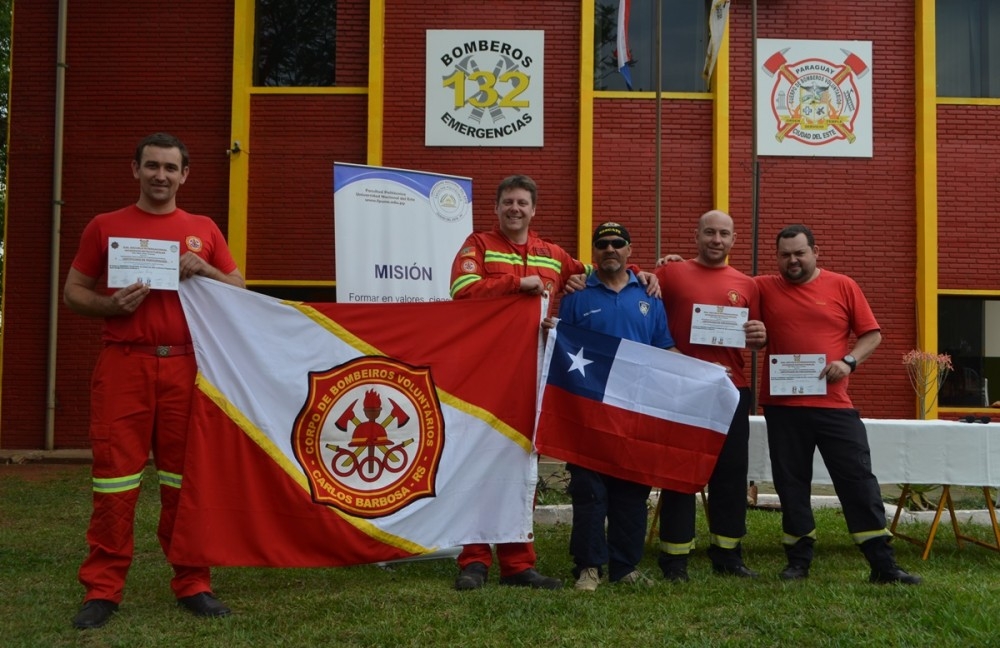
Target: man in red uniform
[[813, 313], [144, 378], [708, 280], [507, 260]]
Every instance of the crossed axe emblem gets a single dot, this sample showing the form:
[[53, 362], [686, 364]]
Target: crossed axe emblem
[[370, 452], [777, 64]]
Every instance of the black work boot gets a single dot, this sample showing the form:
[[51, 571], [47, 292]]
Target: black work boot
[[729, 562], [880, 556], [674, 567], [799, 557], [473, 576]]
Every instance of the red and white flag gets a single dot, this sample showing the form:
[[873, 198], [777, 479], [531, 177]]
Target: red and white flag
[[342, 434], [631, 410]]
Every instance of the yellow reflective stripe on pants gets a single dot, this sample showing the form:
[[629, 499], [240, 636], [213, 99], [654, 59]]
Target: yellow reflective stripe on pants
[[117, 484], [787, 539], [677, 548], [724, 542], [865, 536], [169, 479]]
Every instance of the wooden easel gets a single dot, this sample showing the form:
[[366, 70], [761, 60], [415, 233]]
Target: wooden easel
[[945, 502]]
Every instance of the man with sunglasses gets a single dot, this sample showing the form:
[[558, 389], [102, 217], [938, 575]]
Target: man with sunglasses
[[688, 286], [613, 302], [508, 260]]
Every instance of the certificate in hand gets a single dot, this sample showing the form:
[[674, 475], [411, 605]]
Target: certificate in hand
[[797, 374], [155, 263], [719, 325]]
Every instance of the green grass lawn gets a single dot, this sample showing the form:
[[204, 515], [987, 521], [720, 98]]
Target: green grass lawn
[[43, 518]]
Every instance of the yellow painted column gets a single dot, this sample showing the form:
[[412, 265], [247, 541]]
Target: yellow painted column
[[376, 80], [720, 127], [585, 161], [926, 181], [239, 160]]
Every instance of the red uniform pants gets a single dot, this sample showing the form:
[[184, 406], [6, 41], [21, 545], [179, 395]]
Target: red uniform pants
[[139, 402], [514, 557]]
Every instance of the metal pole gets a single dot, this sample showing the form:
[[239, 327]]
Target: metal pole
[[755, 183], [57, 162], [659, 125]]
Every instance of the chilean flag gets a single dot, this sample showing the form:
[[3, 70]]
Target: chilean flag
[[631, 410], [622, 51]]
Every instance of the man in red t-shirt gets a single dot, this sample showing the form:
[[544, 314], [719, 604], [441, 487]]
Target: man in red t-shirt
[[811, 315], [143, 382], [688, 287]]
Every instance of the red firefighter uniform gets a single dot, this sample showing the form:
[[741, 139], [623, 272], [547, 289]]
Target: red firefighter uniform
[[489, 265], [140, 399]]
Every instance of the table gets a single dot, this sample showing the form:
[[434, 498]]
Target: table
[[905, 451]]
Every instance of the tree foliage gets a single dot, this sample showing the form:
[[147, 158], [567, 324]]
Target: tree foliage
[[6, 8]]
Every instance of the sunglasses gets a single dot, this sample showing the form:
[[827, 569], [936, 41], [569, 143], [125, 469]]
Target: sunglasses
[[604, 244]]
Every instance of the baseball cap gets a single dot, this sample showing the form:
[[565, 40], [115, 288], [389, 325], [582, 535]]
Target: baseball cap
[[611, 228]]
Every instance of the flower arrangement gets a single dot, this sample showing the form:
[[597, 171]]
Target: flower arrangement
[[927, 372]]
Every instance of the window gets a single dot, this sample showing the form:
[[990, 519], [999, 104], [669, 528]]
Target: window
[[968, 48], [683, 43], [969, 331], [295, 43]]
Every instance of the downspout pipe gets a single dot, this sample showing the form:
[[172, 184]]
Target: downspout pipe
[[57, 202]]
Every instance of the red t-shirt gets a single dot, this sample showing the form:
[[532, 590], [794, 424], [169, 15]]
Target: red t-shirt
[[687, 283], [160, 317], [817, 317]]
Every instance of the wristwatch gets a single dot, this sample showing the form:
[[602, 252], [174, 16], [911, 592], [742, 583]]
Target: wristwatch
[[850, 361]]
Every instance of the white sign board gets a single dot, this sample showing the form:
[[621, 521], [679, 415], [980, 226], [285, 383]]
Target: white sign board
[[396, 232], [814, 98], [484, 88]]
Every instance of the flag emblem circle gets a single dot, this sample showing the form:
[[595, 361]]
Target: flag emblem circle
[[369, 436]]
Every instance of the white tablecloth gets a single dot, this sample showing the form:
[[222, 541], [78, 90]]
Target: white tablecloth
[[909, 452]]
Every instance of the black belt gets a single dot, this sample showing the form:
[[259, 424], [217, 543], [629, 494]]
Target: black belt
[[160, 351]]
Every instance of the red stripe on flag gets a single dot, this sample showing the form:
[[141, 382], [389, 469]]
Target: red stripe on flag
[[626, 444]]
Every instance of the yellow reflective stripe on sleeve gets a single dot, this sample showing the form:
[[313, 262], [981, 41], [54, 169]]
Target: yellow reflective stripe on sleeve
[[723, 541], [490, 256], [588, 269], [861, 538], [544, 262], [677, 548], [170, 479], [116, 484], [462, 281]]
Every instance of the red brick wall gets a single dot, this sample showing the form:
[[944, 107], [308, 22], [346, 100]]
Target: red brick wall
[[120, 87], [294, 141], [862, 211], [625, 171], [553, 166], [132, 69], [968, 197]]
